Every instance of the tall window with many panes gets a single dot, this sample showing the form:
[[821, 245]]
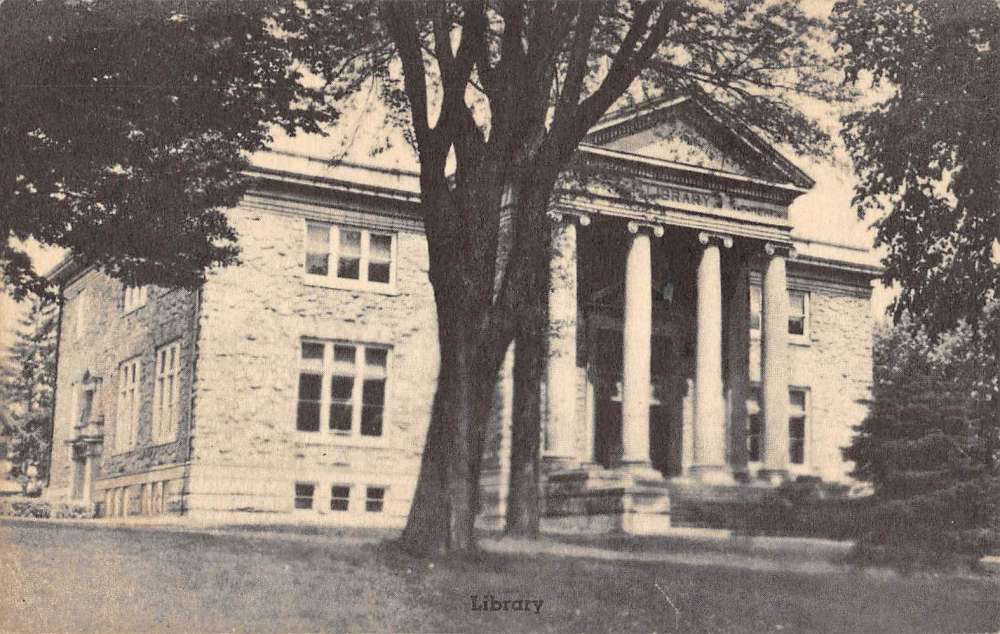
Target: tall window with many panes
[[342, 388], [127, 413], [798, 415], [166, 393]]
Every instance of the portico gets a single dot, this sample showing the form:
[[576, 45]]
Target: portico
[[648, 377]]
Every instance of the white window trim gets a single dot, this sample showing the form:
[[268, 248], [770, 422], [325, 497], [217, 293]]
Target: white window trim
[[805, 339], [806, 468], [165, 432], [354, 436], [330, 280], [129, 405], [134, 298]]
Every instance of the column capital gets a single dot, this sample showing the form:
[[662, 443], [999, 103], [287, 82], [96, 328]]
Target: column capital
[[707, 237], [634, 226], [780, 249], [567, 215]]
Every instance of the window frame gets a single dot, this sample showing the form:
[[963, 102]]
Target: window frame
[[80, 309], [129, 395], [755, 332], [327, 371], [165, 432], [381, 501], [134, 298], [753, 408], [312, 496], [331, 279], [805, 416], [803, 338], [350, 491]]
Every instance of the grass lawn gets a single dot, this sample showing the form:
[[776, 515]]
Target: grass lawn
[[72, 578]]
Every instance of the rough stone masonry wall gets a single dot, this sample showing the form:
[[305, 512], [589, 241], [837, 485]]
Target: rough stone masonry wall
[[834, 364], [110, 338], [247, 452]]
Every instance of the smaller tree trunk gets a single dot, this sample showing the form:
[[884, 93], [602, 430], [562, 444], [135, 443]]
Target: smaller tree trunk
[[523, 498]]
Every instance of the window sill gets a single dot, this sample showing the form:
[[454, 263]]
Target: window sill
[[132, 310], [793, 340], [794, 470], [349, 285], [340, 440]]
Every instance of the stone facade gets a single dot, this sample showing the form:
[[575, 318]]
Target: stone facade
[[247, 453], [91, 353]]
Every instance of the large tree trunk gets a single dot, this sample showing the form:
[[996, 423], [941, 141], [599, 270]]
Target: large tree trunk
[[523, 508], [442, 517]]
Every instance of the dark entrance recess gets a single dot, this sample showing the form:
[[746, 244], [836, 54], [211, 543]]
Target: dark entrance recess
[[608, 403]]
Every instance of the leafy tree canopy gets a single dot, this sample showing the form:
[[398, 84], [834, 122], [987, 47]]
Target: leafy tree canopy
[[125, 126], [929, 153], [931, 441], [27, 386]]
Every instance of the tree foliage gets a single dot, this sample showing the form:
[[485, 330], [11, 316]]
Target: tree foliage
[[929, 152], [930, 444], [27, 386], [125, 127]]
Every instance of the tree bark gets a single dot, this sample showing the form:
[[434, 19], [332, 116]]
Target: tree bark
[[442, 518], [523, 498]]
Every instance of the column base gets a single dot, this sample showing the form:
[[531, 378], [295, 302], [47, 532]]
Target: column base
[[773, 476], [712, 474], [559, 463], [640, 472]]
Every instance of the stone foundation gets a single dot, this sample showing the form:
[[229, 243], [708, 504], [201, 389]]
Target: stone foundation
[[598, 500]]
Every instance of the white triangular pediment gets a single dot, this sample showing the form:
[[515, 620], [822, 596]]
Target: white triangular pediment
[[676, 140]]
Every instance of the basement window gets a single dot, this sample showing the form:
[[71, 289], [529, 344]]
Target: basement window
[[375, 499], [340, 497], [304, 496]]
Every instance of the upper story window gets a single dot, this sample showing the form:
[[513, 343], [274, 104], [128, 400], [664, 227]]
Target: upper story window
[[342, 388], [798, 313], [134, 299], [349, 256], [129, 398], [166, 392], [81, 314]]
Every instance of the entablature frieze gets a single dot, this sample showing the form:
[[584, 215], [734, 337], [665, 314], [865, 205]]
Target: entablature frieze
[[778, 232]]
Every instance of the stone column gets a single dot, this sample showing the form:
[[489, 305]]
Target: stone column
[[561, 373], [709, 408], [637, 334], [736, 284], [774, 364]]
